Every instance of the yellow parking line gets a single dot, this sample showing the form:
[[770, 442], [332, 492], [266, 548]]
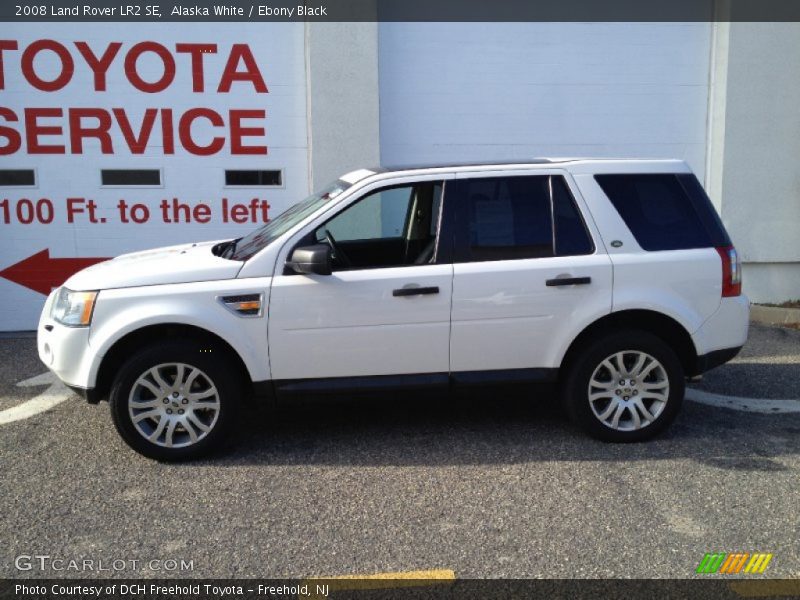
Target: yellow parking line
[[766, 588], [377, 581]]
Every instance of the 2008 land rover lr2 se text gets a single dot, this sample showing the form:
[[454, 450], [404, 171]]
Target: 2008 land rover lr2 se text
[[615, 278]]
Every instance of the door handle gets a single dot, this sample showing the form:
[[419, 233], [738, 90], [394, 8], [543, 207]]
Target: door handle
[[568, 281], [415, 291]]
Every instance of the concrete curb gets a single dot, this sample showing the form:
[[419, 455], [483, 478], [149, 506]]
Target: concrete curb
[[773, 315]]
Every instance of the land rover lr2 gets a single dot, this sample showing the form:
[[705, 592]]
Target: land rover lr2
[[614, 278]]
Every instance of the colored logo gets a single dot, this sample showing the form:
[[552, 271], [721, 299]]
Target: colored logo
[[733, 564]]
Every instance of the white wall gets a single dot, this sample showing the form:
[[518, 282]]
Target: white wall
[[481, 91], [342, 64], [401, 93], [278, 49], [760, 184]]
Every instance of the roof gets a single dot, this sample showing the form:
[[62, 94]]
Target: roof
[[521, 162], [490, 163], [574, 165]]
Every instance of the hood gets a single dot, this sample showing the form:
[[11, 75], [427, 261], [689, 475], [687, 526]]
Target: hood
[[184, 263]]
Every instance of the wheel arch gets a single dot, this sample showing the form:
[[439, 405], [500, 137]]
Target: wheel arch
[[132, 341], [657, 323]]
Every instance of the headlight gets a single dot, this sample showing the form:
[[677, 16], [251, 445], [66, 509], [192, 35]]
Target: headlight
[[73, 309]]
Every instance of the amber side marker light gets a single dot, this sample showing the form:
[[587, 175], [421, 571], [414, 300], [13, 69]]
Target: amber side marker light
[[88, 308], [245, 305]]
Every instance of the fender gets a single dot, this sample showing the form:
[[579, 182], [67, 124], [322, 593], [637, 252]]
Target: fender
[[667, 303], [685, 285], [120, 312]]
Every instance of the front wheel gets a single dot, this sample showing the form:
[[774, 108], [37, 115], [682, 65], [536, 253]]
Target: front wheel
[[175, 400], [625, 387]]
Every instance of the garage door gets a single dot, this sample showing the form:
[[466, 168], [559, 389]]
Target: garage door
[[121, 137], [481, 91]]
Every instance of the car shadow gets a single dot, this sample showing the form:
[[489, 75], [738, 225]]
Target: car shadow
[[493, 426], [752, 379]]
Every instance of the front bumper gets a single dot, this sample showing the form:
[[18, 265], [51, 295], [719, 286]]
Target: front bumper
[[65, 350]]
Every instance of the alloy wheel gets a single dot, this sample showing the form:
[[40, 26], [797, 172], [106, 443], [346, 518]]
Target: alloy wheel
[[174, 405], [628, 390]]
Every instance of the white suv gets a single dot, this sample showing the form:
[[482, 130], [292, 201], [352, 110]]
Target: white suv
[[614, 278]]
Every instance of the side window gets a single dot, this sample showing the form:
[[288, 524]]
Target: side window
[[382, 214], [657, 210], [508, 218], [391, 227]]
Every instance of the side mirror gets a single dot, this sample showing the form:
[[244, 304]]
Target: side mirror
[[309, 260]]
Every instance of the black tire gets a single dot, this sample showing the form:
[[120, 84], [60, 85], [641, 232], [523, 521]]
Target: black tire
[[218, 375], [576, 397]]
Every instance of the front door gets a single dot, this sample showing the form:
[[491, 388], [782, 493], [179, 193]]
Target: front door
[[383, 316]]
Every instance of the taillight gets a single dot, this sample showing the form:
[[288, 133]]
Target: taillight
[[731, 271]]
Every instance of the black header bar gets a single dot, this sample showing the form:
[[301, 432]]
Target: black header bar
[[401, 10]]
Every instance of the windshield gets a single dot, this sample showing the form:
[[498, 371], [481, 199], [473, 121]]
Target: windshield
[[255, 241]]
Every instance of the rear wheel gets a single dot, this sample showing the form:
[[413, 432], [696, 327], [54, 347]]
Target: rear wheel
[[175, 400], [625, 387]]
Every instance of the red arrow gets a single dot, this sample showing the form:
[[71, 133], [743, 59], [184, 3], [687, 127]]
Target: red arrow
[[42, 273]]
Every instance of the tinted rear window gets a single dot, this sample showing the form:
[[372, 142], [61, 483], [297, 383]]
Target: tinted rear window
[[665, 211]]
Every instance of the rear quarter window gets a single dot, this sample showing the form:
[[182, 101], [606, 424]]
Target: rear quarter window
[[665, 211]]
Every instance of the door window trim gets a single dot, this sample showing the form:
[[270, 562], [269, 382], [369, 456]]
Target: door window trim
[[445, 226]]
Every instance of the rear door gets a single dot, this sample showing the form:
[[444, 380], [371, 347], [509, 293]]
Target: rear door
[[527, 274]]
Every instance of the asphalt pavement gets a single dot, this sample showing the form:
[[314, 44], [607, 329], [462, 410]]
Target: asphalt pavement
[[495, 484]]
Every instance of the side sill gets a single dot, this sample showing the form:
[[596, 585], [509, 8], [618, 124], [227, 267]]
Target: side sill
[[500, 376], [343, 385]]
